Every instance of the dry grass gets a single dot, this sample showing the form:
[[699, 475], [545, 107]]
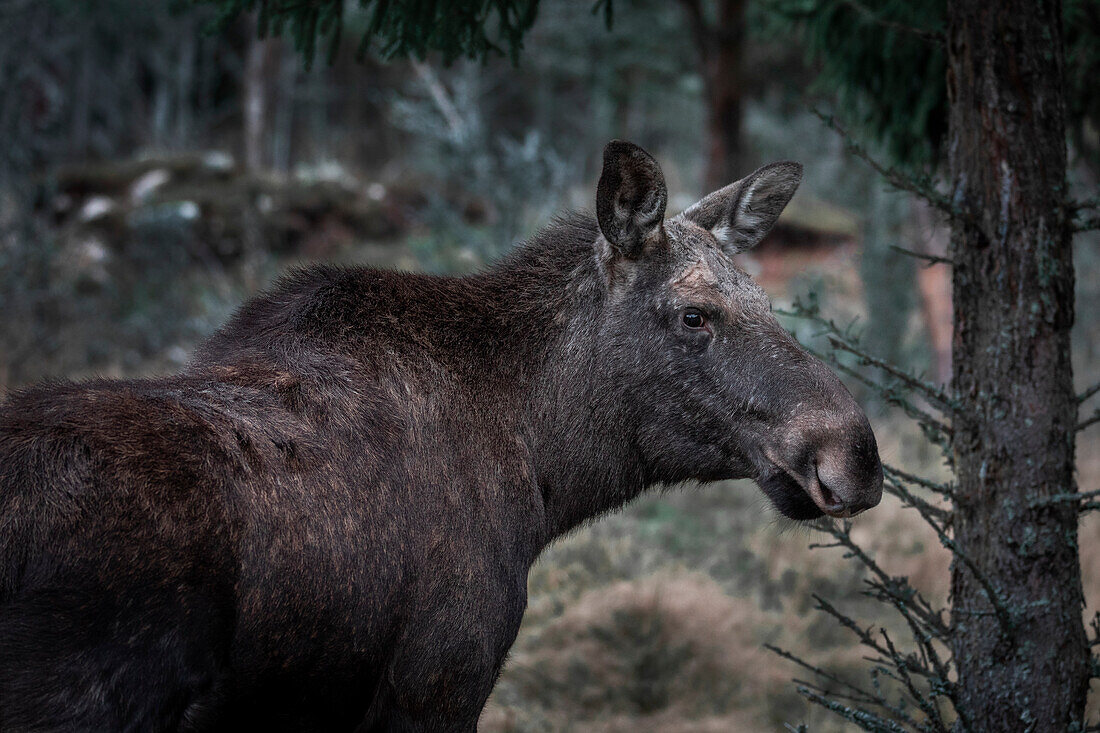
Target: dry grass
[[655, 619], [667, 652]]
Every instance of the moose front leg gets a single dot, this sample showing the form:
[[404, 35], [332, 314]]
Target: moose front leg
[[429, 692], [446, 664], [452, 705]]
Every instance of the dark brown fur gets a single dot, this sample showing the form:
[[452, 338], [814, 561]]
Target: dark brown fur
[[326, 522]]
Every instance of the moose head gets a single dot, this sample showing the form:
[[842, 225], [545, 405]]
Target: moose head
[[711, 383]]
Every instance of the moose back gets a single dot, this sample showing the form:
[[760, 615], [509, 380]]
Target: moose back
[[327, 520]]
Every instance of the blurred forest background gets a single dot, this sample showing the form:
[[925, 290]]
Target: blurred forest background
[[154, 174]]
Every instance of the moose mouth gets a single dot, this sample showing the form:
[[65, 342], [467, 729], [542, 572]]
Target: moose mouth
[[801, 500]]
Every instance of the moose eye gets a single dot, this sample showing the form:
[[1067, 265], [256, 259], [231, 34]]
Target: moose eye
[[694, 318]]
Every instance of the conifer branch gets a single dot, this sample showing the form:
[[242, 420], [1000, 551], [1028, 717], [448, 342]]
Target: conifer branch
[[1088, 422], [895, 488], [866, 638], [936, 430], [929, 390], [896, 710], [1082, 204], [1086, 224], [900, 180], [947, 490], [926, 706], [1064, 498], [857, 694], [936, 38], [866, 720], [897, 591], [1004, 616], [929, 259], [1084, 396]]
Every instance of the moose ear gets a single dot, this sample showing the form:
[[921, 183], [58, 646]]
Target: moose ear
[[630, 199], [740, 214]]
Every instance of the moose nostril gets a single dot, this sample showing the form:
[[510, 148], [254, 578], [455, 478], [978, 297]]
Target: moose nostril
[[830, 499]]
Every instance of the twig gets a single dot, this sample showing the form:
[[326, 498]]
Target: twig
[[927, 421], [934, 37], [866, 720], [943, 516], [934, 429], [860, 695], [857, 699], [1063, 498], [897, 712], [934, 393], [1088, 393], [947, 490], [1086, 224], [929, 709], [841, 338], [1090, 421], [865, 638], [928, 258], [941, 685], [1002, 612], [1089, 203], [440, 97], [893, 176], [897, 591]]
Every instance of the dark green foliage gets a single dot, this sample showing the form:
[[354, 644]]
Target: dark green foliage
[[1082, 36], [506, 143], [881, 61], [453, 28], [883, 64]]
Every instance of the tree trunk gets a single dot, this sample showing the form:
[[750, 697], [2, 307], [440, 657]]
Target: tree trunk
[[1023, 662], [259, 63], [720, 48]]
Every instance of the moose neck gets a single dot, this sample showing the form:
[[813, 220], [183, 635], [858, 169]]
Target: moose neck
[[552, 292], [522, 336]]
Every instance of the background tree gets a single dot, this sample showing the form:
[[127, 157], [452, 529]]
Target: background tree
[[1016, 633], [1022, 656], [720, 42], [479, 29]]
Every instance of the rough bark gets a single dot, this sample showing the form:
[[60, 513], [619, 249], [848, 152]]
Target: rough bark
[[1023, 661], [720, 47]]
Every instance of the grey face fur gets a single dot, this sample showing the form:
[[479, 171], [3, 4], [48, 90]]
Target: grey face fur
[[719, 388]]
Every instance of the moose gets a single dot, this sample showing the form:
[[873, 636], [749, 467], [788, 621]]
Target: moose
[[326, 521]]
